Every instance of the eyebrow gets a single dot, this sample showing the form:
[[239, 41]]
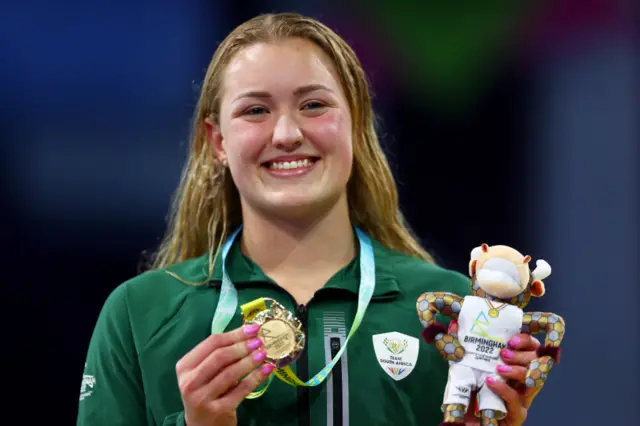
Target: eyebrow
[[299, 91]]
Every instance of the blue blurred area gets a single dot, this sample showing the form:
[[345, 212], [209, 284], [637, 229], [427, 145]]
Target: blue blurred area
[[539, 151], [99, 97]]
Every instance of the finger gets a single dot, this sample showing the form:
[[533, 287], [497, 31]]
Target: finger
[[231, 399], [232, 374], [512, 372], [511, 399], [453, 327], [524, 342], [214, 363], [512, 357], [198, 354]]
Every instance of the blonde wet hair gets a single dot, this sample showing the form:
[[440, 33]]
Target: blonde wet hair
[[206, 206]]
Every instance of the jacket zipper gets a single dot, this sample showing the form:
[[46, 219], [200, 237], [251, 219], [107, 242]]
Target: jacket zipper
[[336, 375], [302, 369]]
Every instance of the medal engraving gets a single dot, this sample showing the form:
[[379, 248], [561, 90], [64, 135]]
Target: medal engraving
[[278, 337], [281, 334]]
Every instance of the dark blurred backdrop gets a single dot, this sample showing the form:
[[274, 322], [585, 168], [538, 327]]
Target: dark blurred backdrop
[[506, 122]]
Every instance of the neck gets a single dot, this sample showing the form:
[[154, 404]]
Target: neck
[[300, 255]]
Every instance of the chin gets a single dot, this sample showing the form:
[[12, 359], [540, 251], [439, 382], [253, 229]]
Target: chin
[[294, 207], [302, 197]]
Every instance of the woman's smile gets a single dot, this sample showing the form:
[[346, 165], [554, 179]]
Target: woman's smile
[[290, 166]]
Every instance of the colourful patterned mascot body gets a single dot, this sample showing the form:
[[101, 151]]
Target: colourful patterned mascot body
[[502, 283]]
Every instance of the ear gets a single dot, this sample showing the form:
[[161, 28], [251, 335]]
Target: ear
[[526, 259], [472, 267], [476, 253], [214, 137], [485, 248], [537, 288]]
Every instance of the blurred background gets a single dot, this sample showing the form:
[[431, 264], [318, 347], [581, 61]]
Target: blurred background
[[507, 122]]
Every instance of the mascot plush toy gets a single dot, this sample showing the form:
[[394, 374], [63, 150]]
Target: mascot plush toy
[[502, 283]]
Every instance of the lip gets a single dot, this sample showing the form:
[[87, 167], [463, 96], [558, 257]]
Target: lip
[[286, 173]]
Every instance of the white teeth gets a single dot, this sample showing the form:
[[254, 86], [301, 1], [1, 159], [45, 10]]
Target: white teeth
[[288, 165]]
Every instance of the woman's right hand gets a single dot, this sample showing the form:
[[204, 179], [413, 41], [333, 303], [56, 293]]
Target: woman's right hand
[[211, 377]]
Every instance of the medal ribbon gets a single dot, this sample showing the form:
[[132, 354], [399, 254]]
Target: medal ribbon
[[496, 308], [228, 303]]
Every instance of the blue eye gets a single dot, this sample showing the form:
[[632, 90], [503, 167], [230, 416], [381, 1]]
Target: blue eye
[[312, 105]]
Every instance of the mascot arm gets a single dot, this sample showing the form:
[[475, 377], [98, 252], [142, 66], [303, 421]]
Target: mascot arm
[[551, 325], [448, 304]]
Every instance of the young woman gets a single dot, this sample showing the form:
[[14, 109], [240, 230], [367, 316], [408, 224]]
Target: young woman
[[287, 196]]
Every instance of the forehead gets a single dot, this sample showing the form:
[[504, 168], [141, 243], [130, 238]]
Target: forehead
[[280, 65]]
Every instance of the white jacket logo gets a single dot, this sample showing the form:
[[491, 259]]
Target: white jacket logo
[[88, 382], [397, 353]]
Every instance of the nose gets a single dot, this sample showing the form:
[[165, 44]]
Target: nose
[[287, 134]]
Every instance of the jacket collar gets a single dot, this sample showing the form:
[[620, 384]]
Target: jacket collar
[[244, 271]]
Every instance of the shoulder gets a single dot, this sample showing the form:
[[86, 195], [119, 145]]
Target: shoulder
[[146, 302], [417, 275], [168, 283]]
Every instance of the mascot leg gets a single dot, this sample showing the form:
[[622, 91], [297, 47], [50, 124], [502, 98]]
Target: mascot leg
[[453, 414], [491, 406], [490, 417], [457, 394]]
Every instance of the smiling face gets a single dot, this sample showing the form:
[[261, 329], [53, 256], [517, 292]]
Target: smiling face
[[284, 128]]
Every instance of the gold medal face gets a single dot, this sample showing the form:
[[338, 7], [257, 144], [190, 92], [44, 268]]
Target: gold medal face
[[278, 337], [281, 334], [493, 313]]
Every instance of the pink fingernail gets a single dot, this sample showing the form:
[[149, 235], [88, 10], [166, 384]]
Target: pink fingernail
[[490, 380], [260, 356], [267, 369], [506, 353], [515, 342], [254, 344], [504, 369], [251, 330]]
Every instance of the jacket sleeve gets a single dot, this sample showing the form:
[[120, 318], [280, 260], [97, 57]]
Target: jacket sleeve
[[111, 392]]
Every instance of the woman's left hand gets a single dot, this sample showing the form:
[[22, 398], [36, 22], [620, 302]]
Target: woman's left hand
[[521, 350]]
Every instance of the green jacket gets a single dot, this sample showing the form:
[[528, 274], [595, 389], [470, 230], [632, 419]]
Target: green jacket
[[149, 322]]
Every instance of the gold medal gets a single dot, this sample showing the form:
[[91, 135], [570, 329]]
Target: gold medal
[[281, 334], [494, 312]]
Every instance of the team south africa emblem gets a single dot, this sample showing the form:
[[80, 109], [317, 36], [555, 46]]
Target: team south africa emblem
[[396, 353]]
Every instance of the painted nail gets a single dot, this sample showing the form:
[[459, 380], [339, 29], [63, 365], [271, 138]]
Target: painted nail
[[506, 353], [251, 330], [490, 380], [267, 369], [515, 342], [260, 356], [504, 369], [254, 344]]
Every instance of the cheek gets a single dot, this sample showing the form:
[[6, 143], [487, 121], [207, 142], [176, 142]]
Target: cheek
[[331, 135], [245, 141], [524, 276]]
